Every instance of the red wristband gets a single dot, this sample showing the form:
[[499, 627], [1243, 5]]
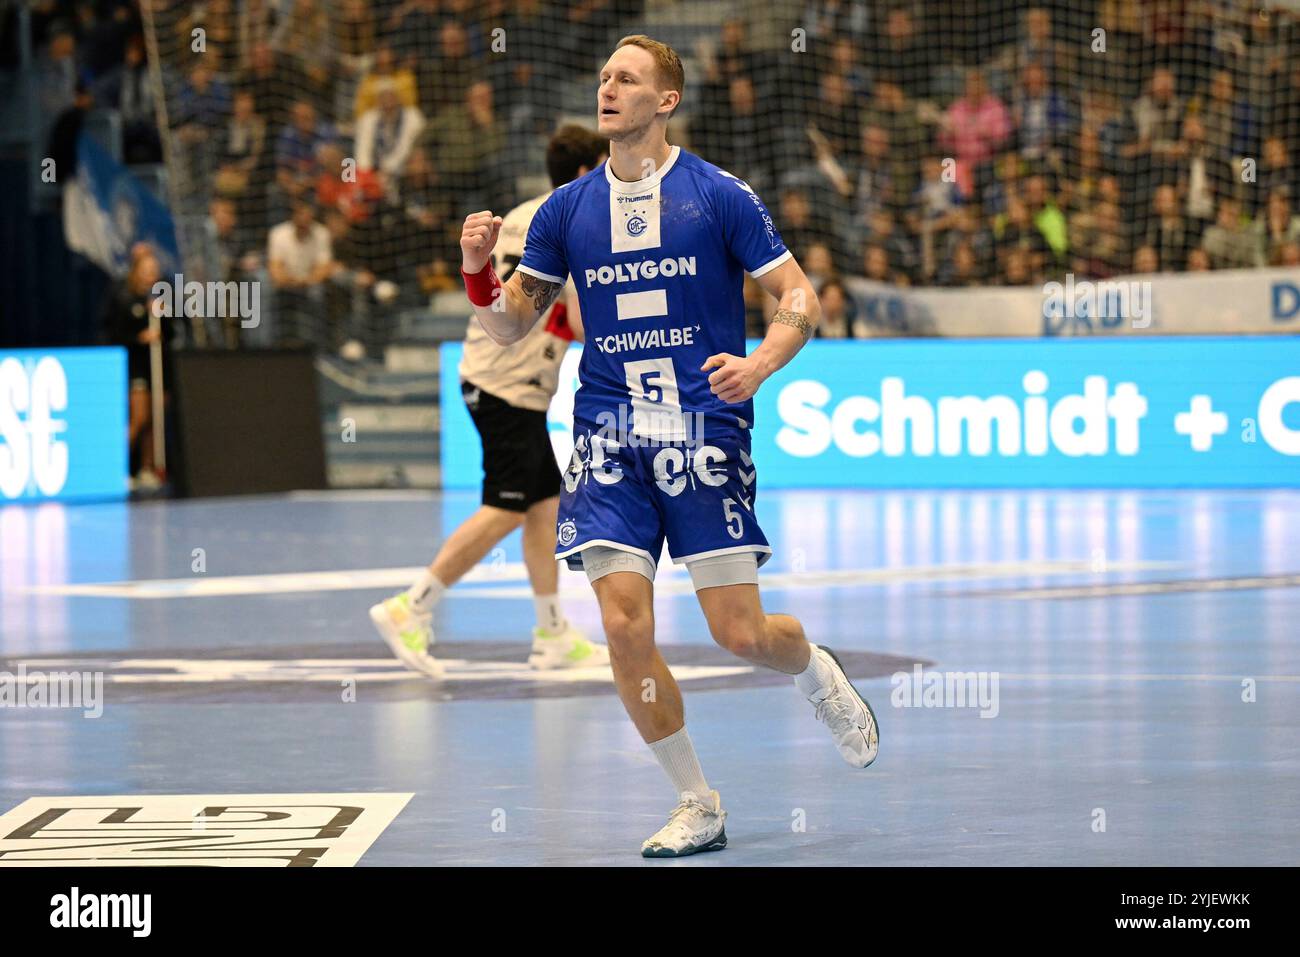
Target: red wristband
[[482, 286]]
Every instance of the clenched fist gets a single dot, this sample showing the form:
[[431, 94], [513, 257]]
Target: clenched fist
[[737, 378], [478, 238]]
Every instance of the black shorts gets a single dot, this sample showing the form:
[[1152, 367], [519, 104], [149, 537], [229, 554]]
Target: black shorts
[[519, 467]]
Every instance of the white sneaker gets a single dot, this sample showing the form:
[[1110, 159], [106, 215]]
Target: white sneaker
[[847, 714], [567, 649], [695, 825], [407, 632]]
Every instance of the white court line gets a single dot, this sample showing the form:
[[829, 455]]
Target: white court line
[[272, 584], [361, 495], [844, 578], [207, 670], [333, 670], [1180, 586], [200, 586], [1006, 675]]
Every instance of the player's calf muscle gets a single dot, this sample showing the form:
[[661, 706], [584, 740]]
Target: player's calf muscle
[[774, 641], [786, 646]]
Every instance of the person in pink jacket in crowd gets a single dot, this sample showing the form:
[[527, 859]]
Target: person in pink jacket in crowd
[[974, 128]]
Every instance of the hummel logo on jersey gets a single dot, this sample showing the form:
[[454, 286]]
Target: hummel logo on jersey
[[645, 269], [737, 180]]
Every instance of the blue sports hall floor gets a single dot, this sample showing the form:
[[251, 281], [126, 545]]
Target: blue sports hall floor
[[1139, 654]]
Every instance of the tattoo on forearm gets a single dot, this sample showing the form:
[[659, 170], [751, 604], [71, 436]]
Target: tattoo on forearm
[[788, 317], [540, 291]]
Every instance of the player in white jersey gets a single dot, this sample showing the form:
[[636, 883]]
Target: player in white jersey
[[507, 392], [658, 242]]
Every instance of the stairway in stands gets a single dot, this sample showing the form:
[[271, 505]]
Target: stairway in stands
[[380, 419]]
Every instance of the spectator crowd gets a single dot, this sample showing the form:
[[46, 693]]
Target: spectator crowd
[[970, 144], [333, 147]]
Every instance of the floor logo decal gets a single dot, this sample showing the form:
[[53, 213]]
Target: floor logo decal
[[223, 830]]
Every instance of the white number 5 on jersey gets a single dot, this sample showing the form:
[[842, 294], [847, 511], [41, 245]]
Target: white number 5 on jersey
[[656, 405]]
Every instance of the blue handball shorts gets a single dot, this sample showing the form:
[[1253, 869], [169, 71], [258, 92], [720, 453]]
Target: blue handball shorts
[[698, 496]]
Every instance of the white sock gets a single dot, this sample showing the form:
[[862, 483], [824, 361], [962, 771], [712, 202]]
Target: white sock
[[549, 616], [676, 755], [426, 591], [816, 677]]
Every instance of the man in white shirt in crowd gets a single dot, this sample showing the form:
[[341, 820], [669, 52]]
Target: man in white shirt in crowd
[[300, 259], [387, 133]]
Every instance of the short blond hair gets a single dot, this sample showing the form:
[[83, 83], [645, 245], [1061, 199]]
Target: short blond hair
[[672, 74]]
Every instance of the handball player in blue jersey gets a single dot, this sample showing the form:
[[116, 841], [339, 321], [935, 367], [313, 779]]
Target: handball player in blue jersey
[[657, 243]]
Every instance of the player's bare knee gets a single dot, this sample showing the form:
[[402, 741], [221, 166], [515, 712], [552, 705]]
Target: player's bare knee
[[628, 629], [742, 637]]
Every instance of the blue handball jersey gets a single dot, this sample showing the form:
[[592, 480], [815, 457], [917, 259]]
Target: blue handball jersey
[[659, 267]]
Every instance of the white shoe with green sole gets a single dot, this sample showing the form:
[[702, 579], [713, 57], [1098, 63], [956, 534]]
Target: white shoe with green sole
[[566, 649], [408, 633]]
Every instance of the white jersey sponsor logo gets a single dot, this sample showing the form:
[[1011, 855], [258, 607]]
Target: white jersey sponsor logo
[[646, 339], [645, 269]]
